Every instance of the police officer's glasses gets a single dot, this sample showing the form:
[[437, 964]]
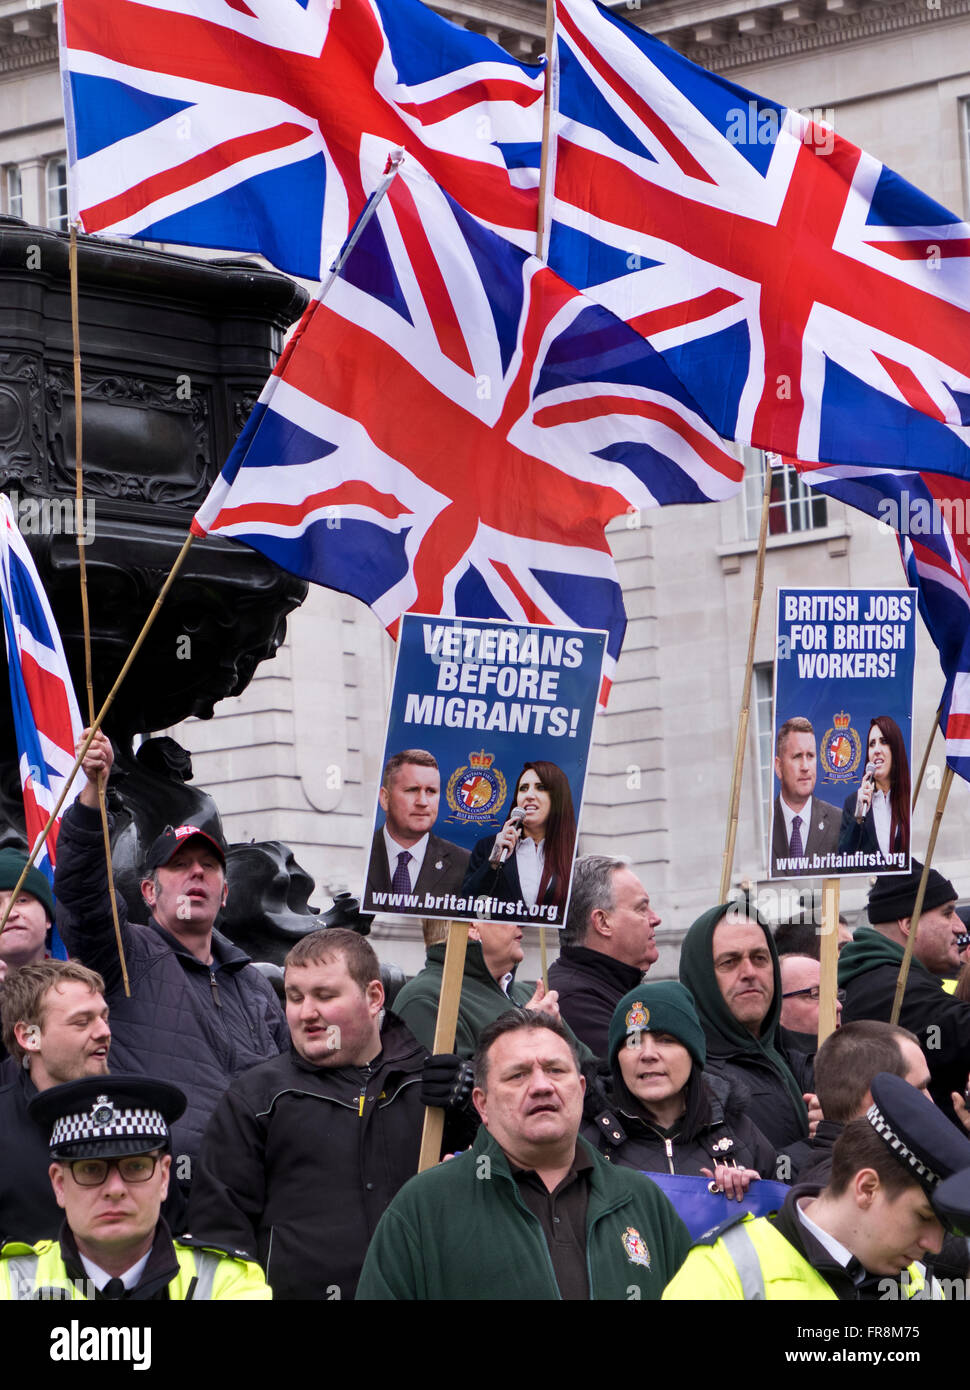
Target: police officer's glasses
[[92, 1172]]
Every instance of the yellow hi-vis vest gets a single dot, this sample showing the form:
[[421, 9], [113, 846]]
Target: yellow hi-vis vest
[[31, 1273], [753, 1261]]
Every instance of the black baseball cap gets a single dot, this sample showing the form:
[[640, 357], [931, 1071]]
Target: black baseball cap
[[172, 840]]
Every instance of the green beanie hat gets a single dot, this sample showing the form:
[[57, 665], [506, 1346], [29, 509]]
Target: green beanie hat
[[12, 863], [664, 1007]]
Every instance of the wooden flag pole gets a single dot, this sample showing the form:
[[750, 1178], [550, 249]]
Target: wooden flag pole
[[829, 957], [920, 894], [926, 754], [547, 94], [727, 861], [83, 573], [444, 1035]]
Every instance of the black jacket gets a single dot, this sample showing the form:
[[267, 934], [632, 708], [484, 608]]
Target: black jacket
[[765, 1099], [28, 1210], [590, 986], [299, 1163], [868, 969], [810, 1160], [193, 1025], [725, 1136]]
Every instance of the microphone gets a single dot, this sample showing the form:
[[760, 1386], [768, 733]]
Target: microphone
[[499, 852], [864, 798]]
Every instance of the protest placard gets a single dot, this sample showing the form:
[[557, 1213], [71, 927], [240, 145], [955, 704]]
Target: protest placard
[[844, 665], [484, 767]]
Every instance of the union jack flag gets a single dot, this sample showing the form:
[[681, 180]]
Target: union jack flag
[[930, 512], [450, 429], [46, 717], [254, 125], [812, 301]]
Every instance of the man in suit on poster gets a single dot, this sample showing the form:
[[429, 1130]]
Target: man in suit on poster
[[802, 825], [405, 856]]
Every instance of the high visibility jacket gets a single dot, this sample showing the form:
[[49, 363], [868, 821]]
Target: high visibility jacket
[[751, 1260], [29, 1273]]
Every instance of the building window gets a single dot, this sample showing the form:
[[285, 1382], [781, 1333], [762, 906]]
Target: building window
[[763, 693], [794, 507], [57, 194], [13, 192]]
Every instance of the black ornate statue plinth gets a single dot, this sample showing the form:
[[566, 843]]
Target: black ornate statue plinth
[[174, 353]]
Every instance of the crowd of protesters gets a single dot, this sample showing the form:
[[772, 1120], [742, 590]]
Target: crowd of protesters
[[611, 1136]]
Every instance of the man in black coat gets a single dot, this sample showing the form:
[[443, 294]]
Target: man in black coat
[[869, 968], [608, 946], [199, 1012], [304, 1152], [55, 1027]]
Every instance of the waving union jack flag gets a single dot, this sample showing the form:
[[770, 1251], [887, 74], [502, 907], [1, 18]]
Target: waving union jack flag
[[812, 301], [255, 124], [46, 717], [452, 426], [931, 514]]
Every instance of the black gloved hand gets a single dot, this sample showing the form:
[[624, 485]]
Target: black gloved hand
[[446, 1081]]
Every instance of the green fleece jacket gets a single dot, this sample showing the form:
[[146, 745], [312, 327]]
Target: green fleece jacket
[[462, 1231], [868, 970], [482, 1001]]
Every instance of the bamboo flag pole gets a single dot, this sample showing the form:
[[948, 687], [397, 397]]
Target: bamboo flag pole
[[920, 894], [99, 719], [547, 95], [444, 1035], [727, 861], [926, 754], [82, 567]]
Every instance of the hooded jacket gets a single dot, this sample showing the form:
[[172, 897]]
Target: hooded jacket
[[483, 999], [868, 969], [757, 1067]]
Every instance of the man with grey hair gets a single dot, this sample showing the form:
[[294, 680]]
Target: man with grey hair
[[608, 946]]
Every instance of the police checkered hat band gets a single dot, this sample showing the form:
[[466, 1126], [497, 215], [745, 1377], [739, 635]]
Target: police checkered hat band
[[107, 1116], [105, 1121], [885, 1131]]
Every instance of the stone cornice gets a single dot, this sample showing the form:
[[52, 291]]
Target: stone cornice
[[19, 55], [762, 34]]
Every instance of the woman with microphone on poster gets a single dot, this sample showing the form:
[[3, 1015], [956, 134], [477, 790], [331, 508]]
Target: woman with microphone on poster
[[530, 859], [876, 818]]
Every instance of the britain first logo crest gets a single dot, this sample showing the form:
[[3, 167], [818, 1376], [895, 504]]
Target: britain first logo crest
[[636, 1247], [841, 750], [476, 791], [638, 1016]]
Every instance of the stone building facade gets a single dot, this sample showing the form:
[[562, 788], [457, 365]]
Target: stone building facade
[[296, 756]]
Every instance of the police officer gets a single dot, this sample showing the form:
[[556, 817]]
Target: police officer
[[865, 1234], [110, 1148]]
